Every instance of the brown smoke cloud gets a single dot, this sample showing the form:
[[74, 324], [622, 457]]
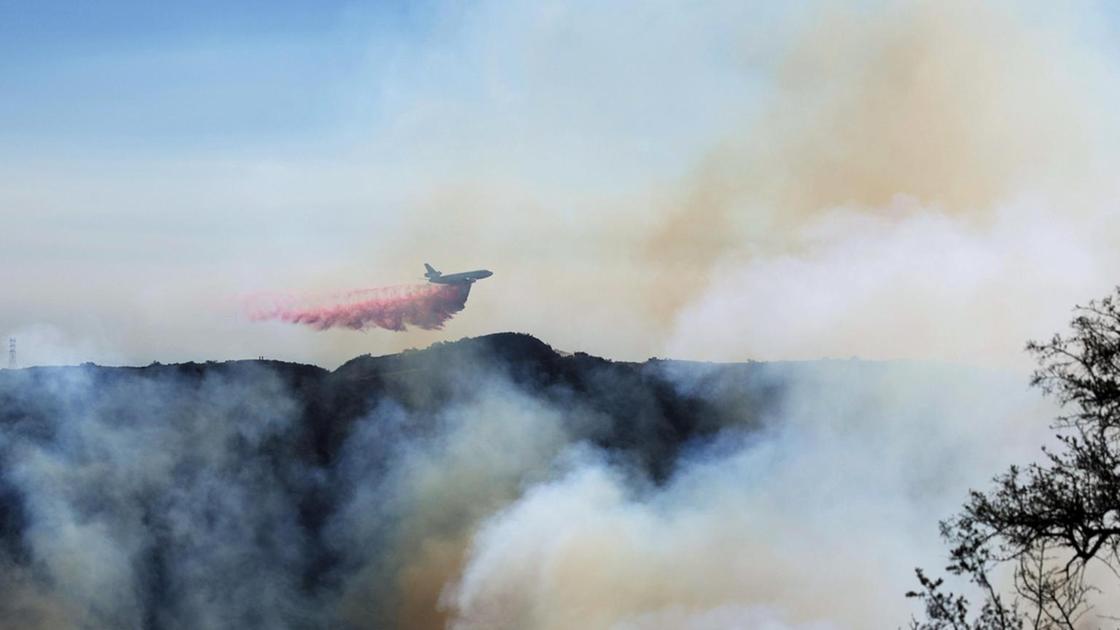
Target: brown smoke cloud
[[26, 605], [966, 130], [959, 106]]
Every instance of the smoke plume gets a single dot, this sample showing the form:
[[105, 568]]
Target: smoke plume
[[426, 306], [454, 488], [692, 163]]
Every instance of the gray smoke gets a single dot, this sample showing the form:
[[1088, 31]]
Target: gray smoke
[[199, 497], [155, 502]]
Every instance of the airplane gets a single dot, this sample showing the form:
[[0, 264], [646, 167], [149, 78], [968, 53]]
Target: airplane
[[466, 277]]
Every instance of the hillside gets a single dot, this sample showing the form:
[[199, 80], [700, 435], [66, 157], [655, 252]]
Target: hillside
[[264, 494]]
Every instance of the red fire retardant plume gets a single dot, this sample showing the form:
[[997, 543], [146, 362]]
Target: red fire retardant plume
[[425, 306]]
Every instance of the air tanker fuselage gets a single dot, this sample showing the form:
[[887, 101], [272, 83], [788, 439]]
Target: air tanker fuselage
[[465, 277]]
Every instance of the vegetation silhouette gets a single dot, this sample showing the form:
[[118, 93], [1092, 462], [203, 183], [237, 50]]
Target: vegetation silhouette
[[1050, 523]]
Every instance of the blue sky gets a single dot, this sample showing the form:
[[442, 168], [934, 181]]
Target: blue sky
[[141, 76], [156, 157]]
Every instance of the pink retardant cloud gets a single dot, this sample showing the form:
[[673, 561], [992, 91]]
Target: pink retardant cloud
[[426, 306]]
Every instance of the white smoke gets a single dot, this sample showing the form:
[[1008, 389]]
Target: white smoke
[[815, 521], [911, 282]]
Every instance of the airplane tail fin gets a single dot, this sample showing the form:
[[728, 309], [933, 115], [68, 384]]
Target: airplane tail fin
[[431, 273]]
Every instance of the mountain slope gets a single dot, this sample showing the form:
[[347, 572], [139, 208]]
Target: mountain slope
[[264, 494]]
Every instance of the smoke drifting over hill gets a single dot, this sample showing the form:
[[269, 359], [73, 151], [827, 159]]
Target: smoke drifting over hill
[[425, 306], [490, 483], [729, 180]]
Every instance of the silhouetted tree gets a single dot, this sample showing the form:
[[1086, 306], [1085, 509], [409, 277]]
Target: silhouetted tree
[[1048, 522]]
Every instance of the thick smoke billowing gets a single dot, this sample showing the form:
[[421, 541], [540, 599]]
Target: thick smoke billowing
[[488, 484], [676, 159], [155, 501], [926, 179], [813, 520], [425, 306]]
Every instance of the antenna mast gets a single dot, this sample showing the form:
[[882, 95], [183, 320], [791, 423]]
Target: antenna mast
[[11, 353]]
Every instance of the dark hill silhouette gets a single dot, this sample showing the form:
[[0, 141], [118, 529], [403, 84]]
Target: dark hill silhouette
[[143, 450], [645, 412]]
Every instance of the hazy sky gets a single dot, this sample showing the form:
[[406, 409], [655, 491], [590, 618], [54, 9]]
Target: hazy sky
[[718, 180]]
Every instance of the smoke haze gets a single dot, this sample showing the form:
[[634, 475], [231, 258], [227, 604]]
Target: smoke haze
[[489, 485], [650, 164]]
